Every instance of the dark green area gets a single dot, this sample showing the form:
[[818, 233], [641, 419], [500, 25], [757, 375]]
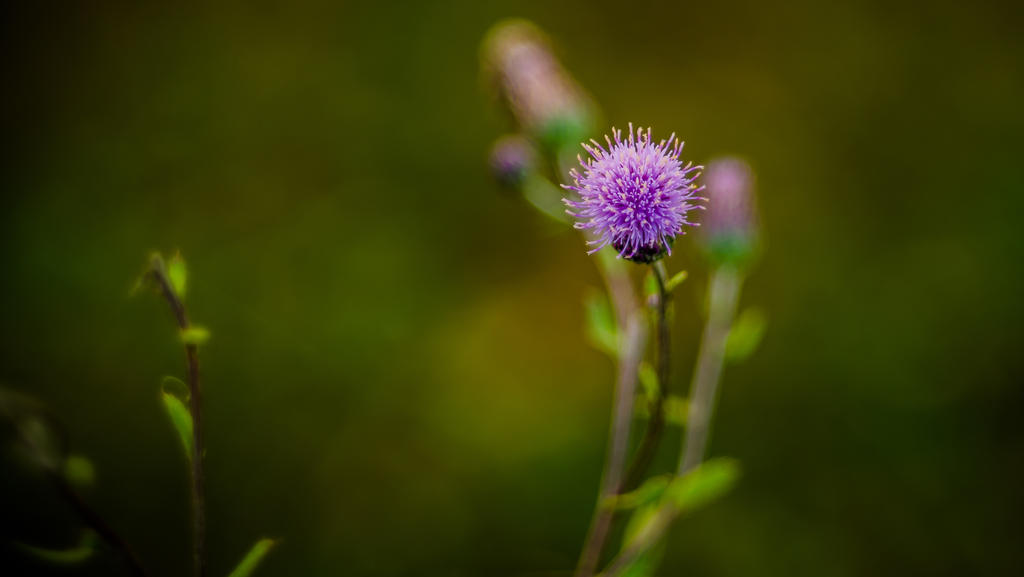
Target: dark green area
[[398, 381]]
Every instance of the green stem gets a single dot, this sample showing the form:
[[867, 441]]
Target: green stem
[[723, 296], [632, 343], [724, 292]]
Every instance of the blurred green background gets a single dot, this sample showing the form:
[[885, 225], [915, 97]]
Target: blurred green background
[[397, 382]]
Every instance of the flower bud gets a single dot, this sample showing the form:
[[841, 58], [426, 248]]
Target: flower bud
[[544, 99], [512, 160], [729, 231]]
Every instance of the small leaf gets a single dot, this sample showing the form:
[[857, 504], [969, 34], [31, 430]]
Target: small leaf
[[176, 387], [703, 485], [195, 335], [252, 558], [79, 471], [177, 273], [745, 335], [181, 418], [651, 288], [601, 330], [649, 492], [640, 522], [81, 552], [676, 410], [645, 563], [676, 280], [146, 280], [649, 381]]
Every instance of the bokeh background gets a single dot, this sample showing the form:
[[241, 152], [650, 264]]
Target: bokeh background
[[397, 382]]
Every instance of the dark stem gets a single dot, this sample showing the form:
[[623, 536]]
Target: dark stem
[[656, 423], [723, 296], [198, 476], [605, 515], [55, 474], [195, 407], [93, 520]]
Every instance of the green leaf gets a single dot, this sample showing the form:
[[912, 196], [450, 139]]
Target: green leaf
[[146, 279], [252, 558], [649, 381], [181, 418], [704, 485], [641, 522], [651, 287], [746, 335], [649, 492], [85, 548], [195, 335], [600, 329], [177, 273], [676, 280], [79, 471], [676, 410], [176, 387], [646, 563]]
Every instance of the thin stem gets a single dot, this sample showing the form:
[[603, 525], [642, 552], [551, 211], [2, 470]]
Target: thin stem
[[724, 290], [645, 451], [618, 444], [95, 522], [159, 274], [89, 516], [656, 424], [633, 338], [198, 476], [633, 327]]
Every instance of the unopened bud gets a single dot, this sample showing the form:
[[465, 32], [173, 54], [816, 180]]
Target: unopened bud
[[730, 230], [545, 100], [512, 160]]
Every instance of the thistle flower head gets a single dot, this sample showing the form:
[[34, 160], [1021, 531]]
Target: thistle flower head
[[730, 232], [512, 160], [635, 194]]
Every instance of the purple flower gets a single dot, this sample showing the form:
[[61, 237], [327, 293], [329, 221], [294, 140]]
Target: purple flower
[[730, 232], [634, 195]]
